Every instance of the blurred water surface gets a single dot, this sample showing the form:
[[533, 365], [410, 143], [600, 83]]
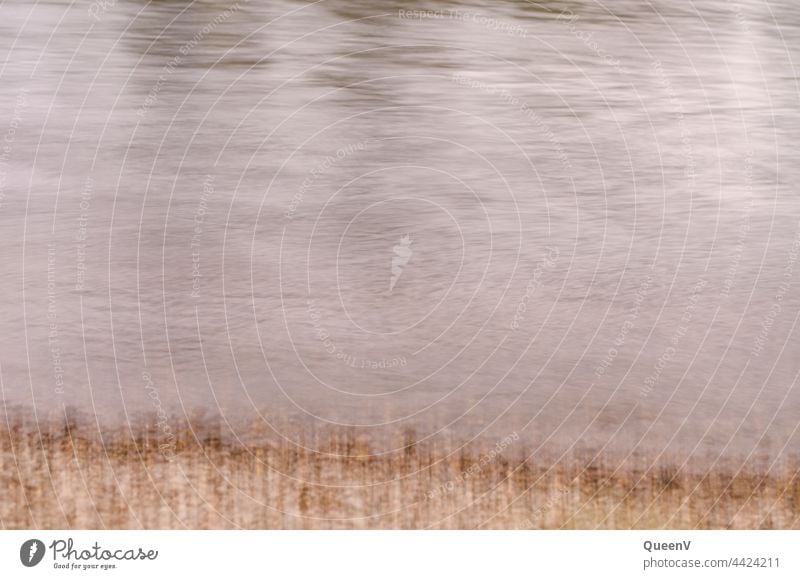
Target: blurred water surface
[[576, 220]]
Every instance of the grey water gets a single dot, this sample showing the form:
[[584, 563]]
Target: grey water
[[574, 220]]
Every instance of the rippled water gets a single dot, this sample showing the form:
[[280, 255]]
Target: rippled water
[[577, 220]]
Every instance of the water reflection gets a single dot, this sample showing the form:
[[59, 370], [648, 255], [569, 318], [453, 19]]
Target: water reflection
[[230, 184]]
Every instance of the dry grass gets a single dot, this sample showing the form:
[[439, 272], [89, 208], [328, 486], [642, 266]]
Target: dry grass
[[64, 479]]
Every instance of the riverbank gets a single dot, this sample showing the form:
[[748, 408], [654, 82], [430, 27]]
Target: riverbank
[[66, 479]]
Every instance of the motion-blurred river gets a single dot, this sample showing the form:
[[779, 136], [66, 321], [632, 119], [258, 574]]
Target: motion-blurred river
[[571, 220]]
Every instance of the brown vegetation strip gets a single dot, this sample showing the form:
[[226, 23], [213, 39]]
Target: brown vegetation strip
[[67, 480]]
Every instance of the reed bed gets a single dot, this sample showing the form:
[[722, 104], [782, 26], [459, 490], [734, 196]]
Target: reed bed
[[64, 478]]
